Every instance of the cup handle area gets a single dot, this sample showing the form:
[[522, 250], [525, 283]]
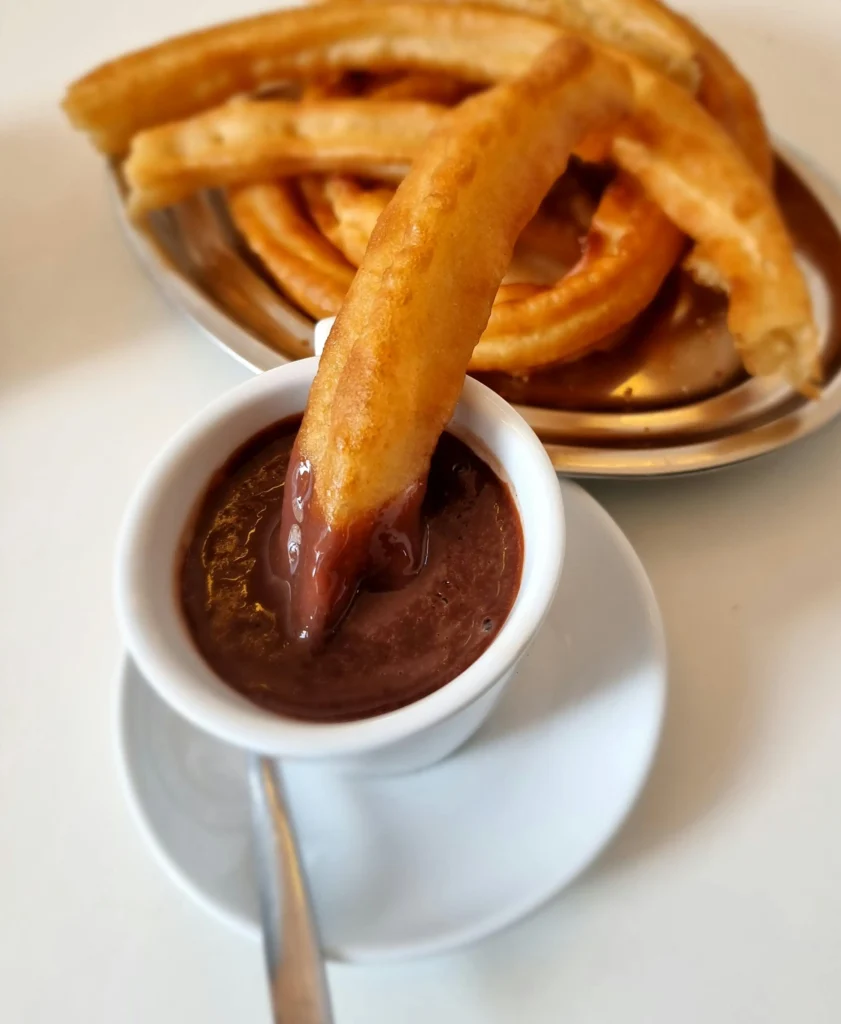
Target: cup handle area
[[321, 332]]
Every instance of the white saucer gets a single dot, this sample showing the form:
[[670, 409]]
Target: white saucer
[[419, 864]]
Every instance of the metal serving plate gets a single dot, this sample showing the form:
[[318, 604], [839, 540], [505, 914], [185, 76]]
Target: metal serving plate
[[654, 414]]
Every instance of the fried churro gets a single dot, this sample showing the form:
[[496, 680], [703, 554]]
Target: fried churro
[[394, 364]]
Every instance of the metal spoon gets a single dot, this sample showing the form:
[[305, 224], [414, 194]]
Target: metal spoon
[[290, 935]]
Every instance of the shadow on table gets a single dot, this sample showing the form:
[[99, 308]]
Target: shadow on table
[[69, 288], [746, 599]]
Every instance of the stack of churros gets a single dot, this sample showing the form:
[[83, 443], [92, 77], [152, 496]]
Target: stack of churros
[[310, 118]]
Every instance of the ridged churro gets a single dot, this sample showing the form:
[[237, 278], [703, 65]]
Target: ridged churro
[[393, 367]]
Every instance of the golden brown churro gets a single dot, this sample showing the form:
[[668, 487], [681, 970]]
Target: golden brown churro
[[629, 250], [642, 28], [394, 364], [199, 70], [707, 186], [698, 175], [253, 141], [345, 212], [313, 273]]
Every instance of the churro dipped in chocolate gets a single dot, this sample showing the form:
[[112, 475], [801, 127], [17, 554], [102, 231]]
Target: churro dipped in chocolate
[[394, 365]]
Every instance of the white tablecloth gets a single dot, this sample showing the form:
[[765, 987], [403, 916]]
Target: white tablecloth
[[721, 900]]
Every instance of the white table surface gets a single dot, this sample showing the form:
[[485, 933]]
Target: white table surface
[[721, 900]]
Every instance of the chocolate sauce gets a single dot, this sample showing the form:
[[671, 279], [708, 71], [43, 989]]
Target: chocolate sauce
[[324, 565], [393, 646]]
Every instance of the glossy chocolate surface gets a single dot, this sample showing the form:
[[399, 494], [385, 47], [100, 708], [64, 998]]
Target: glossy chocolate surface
[[400, 639]]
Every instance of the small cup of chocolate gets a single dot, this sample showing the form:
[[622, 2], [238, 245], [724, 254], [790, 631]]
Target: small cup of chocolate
[[422, 648]]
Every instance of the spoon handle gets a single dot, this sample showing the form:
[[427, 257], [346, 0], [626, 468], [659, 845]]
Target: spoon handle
[[290, 936]]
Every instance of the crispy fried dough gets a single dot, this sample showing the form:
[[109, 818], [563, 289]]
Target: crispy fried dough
[[698, 175], [640, 27], [630, 249], [668, 42], [194, 72], [345, 212], [309, 269], [674, 45], [256, 140], [393, 367], [693, 187]]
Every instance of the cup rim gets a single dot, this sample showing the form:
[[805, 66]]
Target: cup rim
[[243, 723]]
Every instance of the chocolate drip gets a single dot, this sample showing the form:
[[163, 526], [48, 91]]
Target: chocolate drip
[[324, 565]]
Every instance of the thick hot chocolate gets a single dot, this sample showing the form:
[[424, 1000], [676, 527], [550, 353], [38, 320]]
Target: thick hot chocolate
[[393, 646]]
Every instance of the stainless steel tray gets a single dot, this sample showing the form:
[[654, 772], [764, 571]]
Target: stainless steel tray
[[192, 253]]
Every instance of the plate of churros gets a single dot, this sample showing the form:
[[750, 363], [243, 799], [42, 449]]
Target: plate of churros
[[668, 297]]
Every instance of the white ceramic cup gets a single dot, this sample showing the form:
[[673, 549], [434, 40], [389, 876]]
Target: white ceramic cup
[[156, 634]]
